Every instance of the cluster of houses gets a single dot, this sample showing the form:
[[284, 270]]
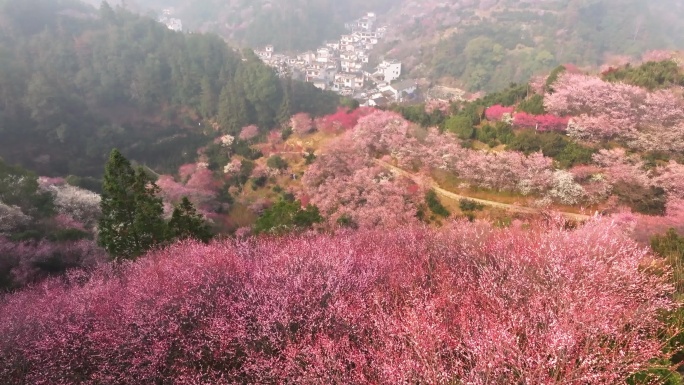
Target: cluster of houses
[[171, 23], [343, 66]]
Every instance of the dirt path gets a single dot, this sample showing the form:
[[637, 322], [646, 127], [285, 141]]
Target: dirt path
[[457, 197]]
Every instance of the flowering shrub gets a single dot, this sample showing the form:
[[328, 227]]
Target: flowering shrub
[[196, 183], [465, 304], [564, 188]]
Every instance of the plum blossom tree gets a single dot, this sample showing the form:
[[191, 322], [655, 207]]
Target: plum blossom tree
[[12, 218], [301, 123], [507, 170], [80, 204], [350, 189], [29, 262], [603, 110], [233, 167], [565, 189], [541, 123], [464, 304], [618, 166], [249, 132], [497, 112], [671, 178], [657, 56]]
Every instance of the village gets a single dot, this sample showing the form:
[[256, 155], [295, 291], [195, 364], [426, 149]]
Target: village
[[343, 66]]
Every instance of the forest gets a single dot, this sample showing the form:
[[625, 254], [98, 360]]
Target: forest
[[76, 82]]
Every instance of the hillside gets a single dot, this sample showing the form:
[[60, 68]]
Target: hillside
[[287, 24], [76, 81], [484, 45]]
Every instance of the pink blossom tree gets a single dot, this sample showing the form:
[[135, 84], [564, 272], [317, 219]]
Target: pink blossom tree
[[301, 123], [497, 112], [349, 188], [541, 123], [602, 110], [249, 132]]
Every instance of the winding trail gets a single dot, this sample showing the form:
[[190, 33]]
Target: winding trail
[[457, 197]]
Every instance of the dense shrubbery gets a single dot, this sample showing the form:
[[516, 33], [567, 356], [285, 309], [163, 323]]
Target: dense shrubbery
[[652, 75]]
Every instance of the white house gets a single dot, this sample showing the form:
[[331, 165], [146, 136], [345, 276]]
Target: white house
[[322, 84], [389, 69], [401, 90]]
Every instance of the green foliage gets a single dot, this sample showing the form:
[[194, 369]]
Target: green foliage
[[62, 235], [651, 75], [460, 125], [533, 105], [285, 216], [435, 205], [671, 247], [71, 88], [488, 52], [557, 72], [552, 144], [286, 133], [259, 182], [309, 158], [19, 187], [350, 103], [417, 114], [131, 221], [574, 153], [186, 223], [276, 162], [644, 200], [88, 183], [469, 205], [500, 132]]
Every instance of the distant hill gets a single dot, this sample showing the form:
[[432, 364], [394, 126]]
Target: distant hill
[[484, 45], [473, 44], [287, 24]]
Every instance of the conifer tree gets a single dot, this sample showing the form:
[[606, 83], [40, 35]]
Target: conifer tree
[[233, 110], [131, 221], [187, 223]]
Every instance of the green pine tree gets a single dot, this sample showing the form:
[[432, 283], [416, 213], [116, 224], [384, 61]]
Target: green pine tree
[[286, 216], [131, 221], [233, 113], [187, 223], [208, 100]]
